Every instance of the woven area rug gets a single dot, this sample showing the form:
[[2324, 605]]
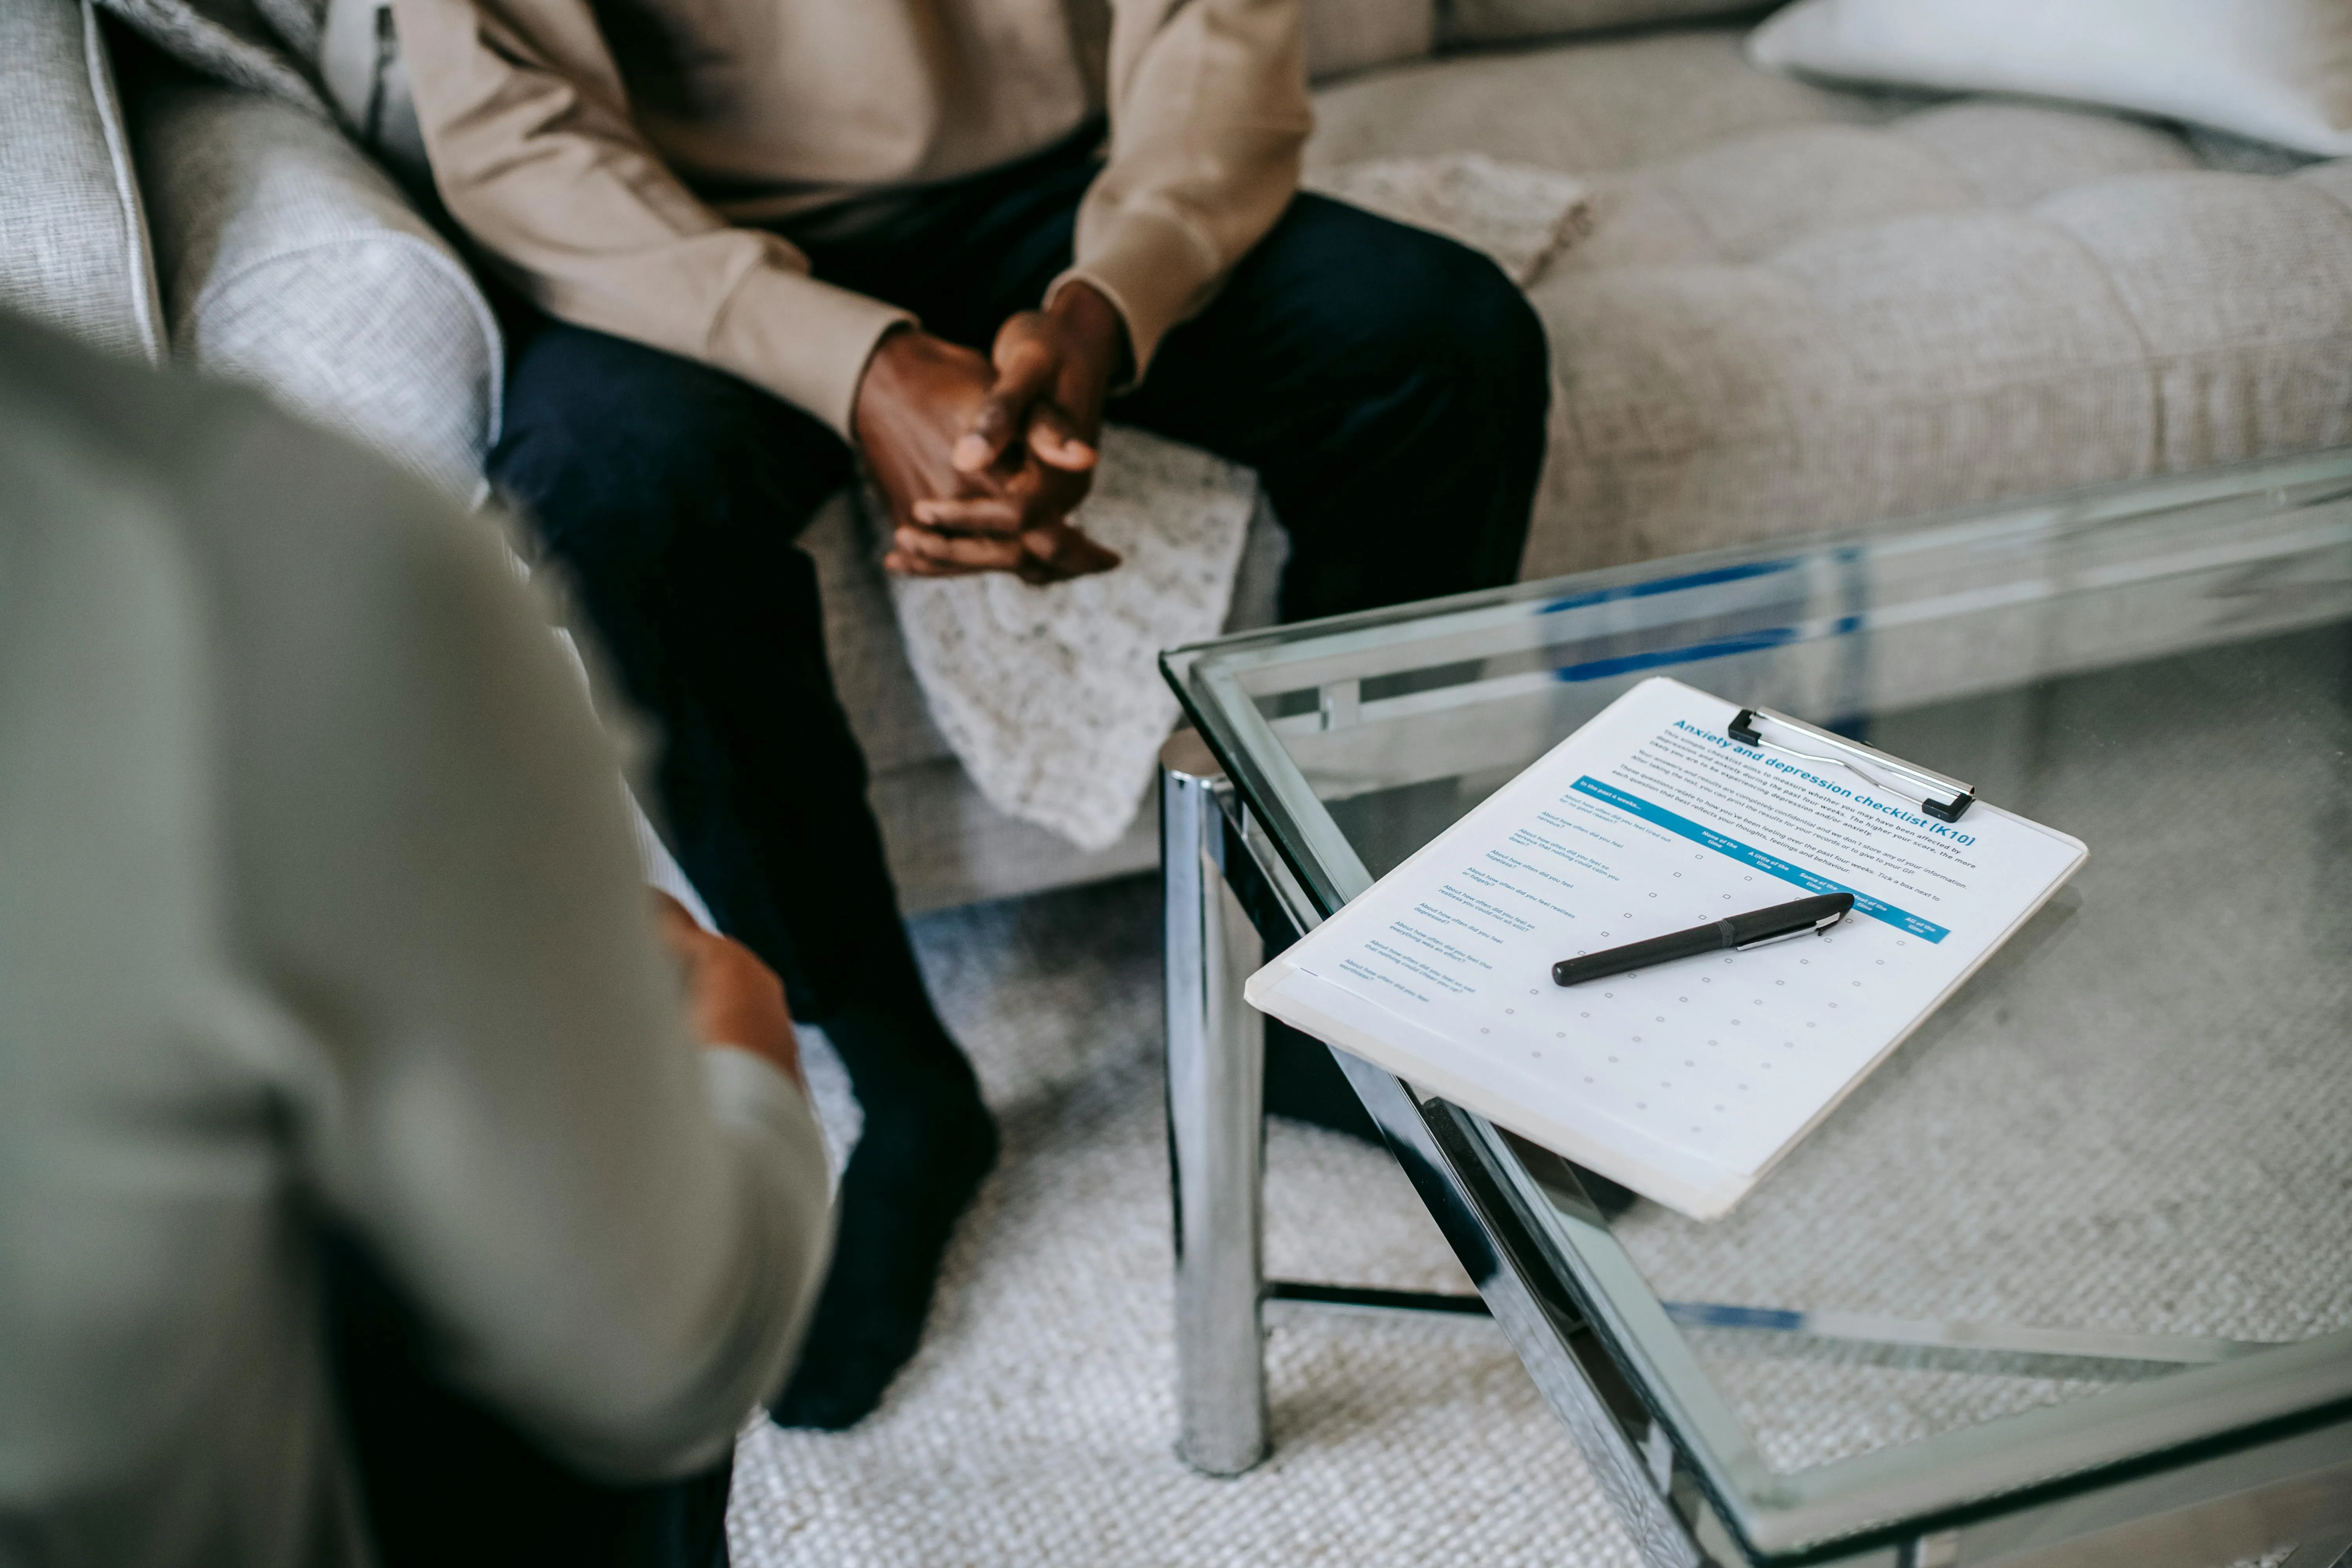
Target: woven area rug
[[1037, 1425]]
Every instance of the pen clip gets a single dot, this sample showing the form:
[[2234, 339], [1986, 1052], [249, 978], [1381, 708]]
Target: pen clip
[[1955, 796], [1815, 929]]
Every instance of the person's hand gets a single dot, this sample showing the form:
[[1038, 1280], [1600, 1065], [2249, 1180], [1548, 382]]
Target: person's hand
[[1033, 445], [1020, 441], [917, 393], [731, 998]]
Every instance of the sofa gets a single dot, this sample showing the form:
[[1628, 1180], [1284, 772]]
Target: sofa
[[1792, 307]]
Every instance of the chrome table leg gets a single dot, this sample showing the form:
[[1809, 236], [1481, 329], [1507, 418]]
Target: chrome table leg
[[1216, 1123]]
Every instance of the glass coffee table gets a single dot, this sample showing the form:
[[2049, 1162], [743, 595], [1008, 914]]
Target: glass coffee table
[[2069, 1278]]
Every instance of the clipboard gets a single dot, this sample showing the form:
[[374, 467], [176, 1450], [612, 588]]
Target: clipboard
[[1947, 799], [1687, 1081]]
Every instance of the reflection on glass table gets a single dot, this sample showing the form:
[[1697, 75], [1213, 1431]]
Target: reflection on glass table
[[2069, 1278]]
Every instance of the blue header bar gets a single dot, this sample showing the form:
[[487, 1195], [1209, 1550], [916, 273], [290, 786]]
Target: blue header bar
[[1747, 855]]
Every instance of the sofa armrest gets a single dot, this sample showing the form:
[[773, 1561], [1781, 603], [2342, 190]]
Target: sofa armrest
[[291, 263], [73, 240]]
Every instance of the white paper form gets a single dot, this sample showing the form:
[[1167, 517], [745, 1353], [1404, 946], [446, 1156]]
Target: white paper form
[[1686, 1080]]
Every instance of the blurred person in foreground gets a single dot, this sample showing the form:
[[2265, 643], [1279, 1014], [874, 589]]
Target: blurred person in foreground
[[364, 1196], [771, 240]]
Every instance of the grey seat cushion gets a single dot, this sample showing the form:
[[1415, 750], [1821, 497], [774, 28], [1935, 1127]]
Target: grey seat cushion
[[1505, 21], [1816, 328], [292, 263], [1344, 35], [73, 240], [1800, 309], [1612, 103]]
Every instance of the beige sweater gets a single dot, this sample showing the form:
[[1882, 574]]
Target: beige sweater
[[612, 170]]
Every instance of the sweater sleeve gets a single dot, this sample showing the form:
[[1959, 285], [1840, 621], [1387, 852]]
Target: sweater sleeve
[[1209, 113], [527, 125], [612, 1235]]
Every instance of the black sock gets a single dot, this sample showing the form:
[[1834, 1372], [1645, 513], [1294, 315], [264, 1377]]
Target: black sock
[[927, 1142]]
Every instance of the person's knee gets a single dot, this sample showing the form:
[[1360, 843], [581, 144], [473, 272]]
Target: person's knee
[[1477, 327], [1401, 302], [1471, 366], [621, 456]]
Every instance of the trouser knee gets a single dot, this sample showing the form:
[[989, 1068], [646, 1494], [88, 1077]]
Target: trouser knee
[[1495, 355]]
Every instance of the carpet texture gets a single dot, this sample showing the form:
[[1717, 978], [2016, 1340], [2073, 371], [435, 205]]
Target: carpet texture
[[1037, 1424], [2133, 1120], [2159, 1153]]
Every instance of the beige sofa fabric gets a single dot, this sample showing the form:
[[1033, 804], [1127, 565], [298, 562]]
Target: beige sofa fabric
[[1502, 21], [1801, 309], [1581, 109], [2008, 157], [1817, 328], [73, 237], [1749, 196], [2241, 287], [1344, 35]]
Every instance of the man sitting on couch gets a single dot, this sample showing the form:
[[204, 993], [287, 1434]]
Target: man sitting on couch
[[772, 238]]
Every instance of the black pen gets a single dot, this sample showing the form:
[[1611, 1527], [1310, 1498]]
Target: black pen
[[1806, 917]]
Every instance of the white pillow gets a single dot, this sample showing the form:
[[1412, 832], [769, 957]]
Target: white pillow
[[2275, 70]]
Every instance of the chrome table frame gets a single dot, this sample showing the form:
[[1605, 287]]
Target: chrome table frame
[[1228, 891]]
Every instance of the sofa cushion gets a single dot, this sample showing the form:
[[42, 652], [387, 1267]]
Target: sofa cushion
[[1469, 22], [292, 263], [1744, 198], [1345, 35], [1815, 328], [2241, 287], [73, 238], [1584, 108], [2013, 155]]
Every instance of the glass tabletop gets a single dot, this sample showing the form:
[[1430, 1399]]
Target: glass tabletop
[[2100, 1205]]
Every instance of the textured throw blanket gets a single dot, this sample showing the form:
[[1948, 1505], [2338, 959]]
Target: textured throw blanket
[[1051, 697], [1521, 216]]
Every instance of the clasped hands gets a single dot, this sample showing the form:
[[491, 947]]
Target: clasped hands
[[981, 459]]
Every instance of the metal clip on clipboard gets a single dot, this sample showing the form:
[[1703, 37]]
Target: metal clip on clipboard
[[1940, 798]]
